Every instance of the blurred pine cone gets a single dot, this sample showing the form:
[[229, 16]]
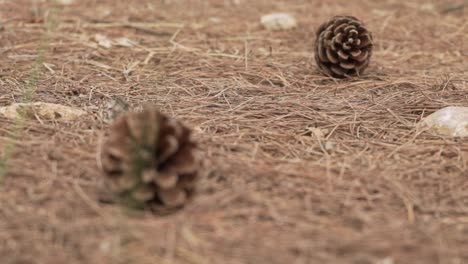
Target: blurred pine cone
[[150, 160], [343, 47]]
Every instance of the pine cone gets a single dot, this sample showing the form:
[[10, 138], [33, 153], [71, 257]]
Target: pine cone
[[150, 160], [343, 47]]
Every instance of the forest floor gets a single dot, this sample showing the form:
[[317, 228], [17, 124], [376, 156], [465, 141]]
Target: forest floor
[[305, 169]]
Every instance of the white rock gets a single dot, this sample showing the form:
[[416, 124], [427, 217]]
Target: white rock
[[124, 42], [65, 2], [428, 7], [40, 110], [317, 132], [449, 121], [278, 21], [215, 20], [385, 261], [103, 41]]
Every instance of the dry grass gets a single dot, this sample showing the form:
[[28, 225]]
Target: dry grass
[[306, 169]]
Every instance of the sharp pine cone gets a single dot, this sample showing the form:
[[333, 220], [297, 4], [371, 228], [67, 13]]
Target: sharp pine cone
[[343, 47], [150, 160]]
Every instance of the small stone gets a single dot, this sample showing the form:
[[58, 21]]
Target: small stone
[[317, 132], [385, 261], [114, 107], [124, 42], [428, 7], [215, 20], [41, 110], [105, 246], [103, 41], [329, 145], [278, 21], [110, 246], [65, 2], [449, 121]]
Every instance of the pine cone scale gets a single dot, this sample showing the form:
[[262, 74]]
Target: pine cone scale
[[173, 197], [166, 180], [347, 65], [362, 56], [343, 55], [338, 71], [169, 146], [332, 57], [143, 194]]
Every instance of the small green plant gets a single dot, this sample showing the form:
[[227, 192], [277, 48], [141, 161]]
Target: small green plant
[[30, 88]]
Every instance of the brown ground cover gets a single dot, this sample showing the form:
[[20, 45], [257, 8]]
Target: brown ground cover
[[305, 169]]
